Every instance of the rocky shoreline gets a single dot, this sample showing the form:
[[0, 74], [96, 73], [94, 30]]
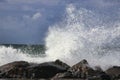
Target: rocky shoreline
[[57, 70]]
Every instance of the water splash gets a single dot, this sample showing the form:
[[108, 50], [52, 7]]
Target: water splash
[[83, 35]]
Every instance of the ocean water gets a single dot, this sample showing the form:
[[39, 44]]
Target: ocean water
[[20, 52], [82, 34]]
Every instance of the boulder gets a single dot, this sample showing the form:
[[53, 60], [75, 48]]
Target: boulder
[[15, 69], [62, 64], [101, 76], [44, 70], [65, 75], [79, 70], [114, 72], [22, 69], [82, 70]]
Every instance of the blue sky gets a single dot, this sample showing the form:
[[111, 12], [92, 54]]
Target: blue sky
[[27, 21]]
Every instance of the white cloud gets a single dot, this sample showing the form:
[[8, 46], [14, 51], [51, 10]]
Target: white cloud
[[36, 16]]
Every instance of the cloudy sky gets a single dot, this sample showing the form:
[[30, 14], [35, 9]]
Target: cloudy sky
[[27, 21]]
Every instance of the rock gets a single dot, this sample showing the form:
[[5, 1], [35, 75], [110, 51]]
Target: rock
[[82, 70], [62, 64], [79, 70], [57, 70], [98, 68], [22, 69], [63, 75], [44, 70], [68, 75], [104, 76], [14, 70], [101, 76], [47, 69], [114, 72]]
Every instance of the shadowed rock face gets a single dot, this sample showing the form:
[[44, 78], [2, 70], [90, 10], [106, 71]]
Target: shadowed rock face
[[114, 72], [44, 70]]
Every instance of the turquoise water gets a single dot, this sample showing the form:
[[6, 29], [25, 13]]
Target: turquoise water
[[30, 49]]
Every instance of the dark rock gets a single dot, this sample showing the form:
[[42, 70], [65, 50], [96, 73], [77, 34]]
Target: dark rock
[[82, 70], [14, 70], [62, 64], [22, 69], [114, 72], [57, 70], [98, 68], [104, 76], [44, 70], [63, 75], [101, 76]]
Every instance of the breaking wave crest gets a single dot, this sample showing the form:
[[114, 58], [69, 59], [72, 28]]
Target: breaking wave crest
[[10, 54], [83, 35]]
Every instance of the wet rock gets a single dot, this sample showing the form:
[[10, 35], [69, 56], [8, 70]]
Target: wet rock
[[63, 75], [79, 70], [44, 70], [114, 72], [15, 69], [101, 76], [104, 76], [62, 64], [22, 69], [68, 75], [57, 70], [98, 68], [82, 70]]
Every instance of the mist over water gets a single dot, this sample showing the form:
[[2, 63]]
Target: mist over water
[[84, 35]]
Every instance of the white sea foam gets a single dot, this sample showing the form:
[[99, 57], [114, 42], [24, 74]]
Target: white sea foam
[[9, 54]]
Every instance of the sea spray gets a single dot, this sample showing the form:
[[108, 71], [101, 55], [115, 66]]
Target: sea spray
[[83, 35]]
